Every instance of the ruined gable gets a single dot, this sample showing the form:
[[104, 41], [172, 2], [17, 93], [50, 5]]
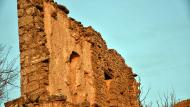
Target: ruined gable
[[64, 64]]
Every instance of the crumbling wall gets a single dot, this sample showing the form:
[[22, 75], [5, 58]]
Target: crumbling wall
[[70, 63], [64, 64], [114, 81], [101, 77], [34, 55]]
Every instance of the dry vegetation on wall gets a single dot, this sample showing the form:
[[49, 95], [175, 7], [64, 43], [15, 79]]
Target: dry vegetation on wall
[[8, 72]]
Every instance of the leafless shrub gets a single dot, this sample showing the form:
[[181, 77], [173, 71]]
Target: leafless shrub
[[143, 96], [8, 71], [166, 100]]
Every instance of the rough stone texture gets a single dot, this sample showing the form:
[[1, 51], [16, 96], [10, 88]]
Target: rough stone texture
[[184, 103], [64, 64], [34, 52]]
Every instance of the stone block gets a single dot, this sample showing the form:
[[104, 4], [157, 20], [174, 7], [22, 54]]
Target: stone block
[[31, 11], [25, 20], [32, 86], [21, 13]]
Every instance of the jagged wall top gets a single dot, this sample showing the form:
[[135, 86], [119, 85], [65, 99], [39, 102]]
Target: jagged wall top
[[63, 59]]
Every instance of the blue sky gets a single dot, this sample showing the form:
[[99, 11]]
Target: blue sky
[[152, 35]]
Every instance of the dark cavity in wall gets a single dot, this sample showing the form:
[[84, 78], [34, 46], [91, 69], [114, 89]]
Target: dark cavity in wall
[[46, 61], [107, 75], [39, 7], [54, 15], [74, 55]]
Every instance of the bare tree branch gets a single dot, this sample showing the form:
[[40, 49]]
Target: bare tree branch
[[8, 71]]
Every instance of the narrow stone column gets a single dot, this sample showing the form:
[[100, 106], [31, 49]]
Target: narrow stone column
[[34, 55]]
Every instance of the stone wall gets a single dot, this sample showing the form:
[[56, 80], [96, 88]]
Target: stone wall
[[100, 75], [64, 64], [70, 57], [34, 54]]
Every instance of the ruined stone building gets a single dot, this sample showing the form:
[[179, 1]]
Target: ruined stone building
[[64, 64]]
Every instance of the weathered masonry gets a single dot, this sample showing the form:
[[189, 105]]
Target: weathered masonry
[[64, 64]]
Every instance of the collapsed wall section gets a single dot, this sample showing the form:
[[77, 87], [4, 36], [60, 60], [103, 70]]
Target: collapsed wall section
[[114, 81]]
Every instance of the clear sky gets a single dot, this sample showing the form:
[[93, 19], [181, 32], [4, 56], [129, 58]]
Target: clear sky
[[152, 35]]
